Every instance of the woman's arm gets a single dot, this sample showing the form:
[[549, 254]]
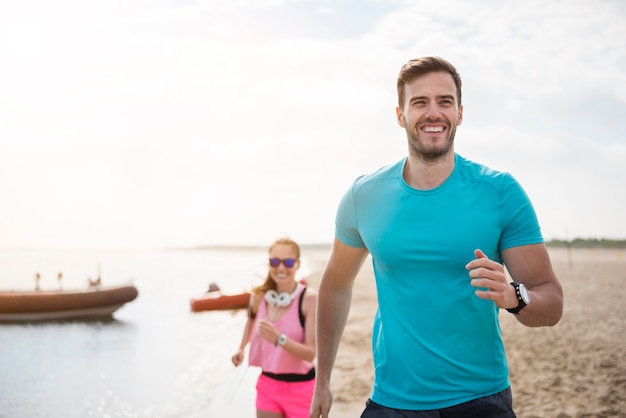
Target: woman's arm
[[238, 357]]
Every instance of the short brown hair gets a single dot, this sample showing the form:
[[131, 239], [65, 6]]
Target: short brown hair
[[420, 66]]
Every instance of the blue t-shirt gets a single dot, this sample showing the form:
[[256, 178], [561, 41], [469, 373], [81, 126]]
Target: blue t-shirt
[[435, 343]]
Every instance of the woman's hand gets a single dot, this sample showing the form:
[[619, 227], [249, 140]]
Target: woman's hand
[[237, 359], [268, 331]]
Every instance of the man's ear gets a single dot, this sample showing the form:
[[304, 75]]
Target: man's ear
[[400, 117], [460, 119]]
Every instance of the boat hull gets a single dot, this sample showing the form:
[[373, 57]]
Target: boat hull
[[219, 301], [90, 303]]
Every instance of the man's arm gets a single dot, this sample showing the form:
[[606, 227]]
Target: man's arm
[[527, 264], [333, 305], [530, 265]]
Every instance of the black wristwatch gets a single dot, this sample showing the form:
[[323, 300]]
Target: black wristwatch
[[522, 296]]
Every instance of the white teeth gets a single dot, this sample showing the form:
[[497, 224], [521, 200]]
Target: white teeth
[[433, 128]]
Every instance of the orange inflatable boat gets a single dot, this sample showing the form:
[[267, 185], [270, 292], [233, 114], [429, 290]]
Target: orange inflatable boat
[[219, 300]]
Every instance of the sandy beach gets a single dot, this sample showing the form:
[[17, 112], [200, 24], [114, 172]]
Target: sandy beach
[[575, 369]]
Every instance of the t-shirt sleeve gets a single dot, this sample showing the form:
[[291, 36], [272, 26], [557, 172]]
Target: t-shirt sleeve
[[346, 223], [521, 226]]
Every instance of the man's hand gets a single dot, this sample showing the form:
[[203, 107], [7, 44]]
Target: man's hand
[[489, 275], [322, 401]]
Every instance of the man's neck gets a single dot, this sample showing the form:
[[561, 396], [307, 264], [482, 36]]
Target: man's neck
[[428, 175]]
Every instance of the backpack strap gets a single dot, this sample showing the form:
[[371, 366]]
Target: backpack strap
[[300, 308]]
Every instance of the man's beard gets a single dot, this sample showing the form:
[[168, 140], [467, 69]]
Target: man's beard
[[429, 154]]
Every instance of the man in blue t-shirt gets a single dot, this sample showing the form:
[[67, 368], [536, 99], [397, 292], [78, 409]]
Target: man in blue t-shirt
[[440, 230]]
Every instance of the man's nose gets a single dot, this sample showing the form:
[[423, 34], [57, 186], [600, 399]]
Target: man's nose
[[433, 112]]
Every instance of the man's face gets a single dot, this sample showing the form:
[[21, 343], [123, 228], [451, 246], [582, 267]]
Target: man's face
[[430, 115]]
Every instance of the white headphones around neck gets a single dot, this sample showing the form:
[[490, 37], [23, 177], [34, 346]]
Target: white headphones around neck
[[283, 299]]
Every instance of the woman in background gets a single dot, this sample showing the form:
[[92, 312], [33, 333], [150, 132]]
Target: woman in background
[[281, 333]]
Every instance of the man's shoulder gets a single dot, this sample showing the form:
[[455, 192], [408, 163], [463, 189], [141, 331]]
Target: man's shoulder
[[472, 170], [384, 173]]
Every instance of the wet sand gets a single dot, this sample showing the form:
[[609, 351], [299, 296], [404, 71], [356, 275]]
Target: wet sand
[[574, 369]]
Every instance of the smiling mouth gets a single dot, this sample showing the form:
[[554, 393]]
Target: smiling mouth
[[433, 129]]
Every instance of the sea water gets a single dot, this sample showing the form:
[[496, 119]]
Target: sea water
[[156, 358]]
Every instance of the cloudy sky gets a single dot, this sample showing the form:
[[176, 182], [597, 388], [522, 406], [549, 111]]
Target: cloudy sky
[[133, 124]]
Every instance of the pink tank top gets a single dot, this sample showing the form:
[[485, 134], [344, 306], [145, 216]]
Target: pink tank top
[[275, 359]]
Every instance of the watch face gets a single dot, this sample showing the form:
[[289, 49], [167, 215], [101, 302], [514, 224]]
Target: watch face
[[523, 292]]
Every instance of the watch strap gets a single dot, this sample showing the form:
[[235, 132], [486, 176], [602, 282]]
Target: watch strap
[[521, 304]]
